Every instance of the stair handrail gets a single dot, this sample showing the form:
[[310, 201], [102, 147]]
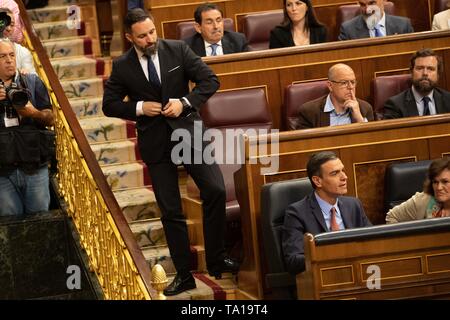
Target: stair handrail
[[113, 252]]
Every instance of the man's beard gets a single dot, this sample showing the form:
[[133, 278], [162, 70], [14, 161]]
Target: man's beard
[[372, 16], [150, 50], [424, 87]]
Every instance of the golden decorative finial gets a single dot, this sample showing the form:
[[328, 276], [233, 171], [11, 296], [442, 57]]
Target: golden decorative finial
[[159, 281]]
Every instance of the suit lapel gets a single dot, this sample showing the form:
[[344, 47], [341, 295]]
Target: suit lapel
[[317, 212], [411, 105], [438, 103], [226, 45], [136, 65], [345, 214], [324, 116], [361, 28]]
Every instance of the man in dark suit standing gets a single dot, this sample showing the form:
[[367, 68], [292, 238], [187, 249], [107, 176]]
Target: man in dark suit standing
[[424, 97], [339, 107], [373, 22], [211, 39], [326, 209], [154, 74]]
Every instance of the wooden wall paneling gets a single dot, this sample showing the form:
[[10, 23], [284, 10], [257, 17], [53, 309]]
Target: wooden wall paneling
[[439, 147], [326, 13], [365, 168], [416, 10]]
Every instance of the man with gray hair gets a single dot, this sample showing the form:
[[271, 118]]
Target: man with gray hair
[[373, 22], [325, 209]]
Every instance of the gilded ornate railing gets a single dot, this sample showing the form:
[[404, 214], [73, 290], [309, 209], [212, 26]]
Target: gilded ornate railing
[[113, 254]]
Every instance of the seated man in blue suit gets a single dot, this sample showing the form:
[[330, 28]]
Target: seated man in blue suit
[[326, 209], [373, 22], [211, 39]]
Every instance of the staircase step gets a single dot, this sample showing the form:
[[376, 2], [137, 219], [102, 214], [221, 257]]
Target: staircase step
[[76, 68], [161, 255], [48, 14], [138, 203], [100, 129], [148, 233], [57, 30], [92, 87], [115, 151], [70, 47], [87, 107], [53, 3], [126, 175]]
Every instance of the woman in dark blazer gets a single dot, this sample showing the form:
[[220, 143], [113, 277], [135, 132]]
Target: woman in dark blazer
[[299, 27]]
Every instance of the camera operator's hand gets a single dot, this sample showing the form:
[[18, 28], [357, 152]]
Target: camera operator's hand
[[2, 92], [45, 116]]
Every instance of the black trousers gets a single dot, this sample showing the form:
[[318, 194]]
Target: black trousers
[[209, 180]]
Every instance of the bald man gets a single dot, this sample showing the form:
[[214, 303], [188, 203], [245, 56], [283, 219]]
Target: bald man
[[338, 107]]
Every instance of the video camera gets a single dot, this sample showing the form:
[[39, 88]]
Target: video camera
[[5, 20]]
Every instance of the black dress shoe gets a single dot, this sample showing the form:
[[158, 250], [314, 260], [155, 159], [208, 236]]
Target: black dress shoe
[[225, 265], [180, 284]]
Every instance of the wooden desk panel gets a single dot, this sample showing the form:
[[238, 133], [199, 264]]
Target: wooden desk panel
[[365, 150], [411, 266]]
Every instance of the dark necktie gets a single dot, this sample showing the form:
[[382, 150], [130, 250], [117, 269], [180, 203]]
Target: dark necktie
[[426, 108], [152, 74], [378, 31], [333, 223], [214, 49]]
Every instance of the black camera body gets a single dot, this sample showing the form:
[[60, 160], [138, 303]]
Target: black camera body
[[5, 21], [15, 95]]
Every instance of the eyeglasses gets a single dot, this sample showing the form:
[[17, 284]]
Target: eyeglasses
[[346, 83]]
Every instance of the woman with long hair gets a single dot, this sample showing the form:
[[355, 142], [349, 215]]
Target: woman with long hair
[[299, 27]]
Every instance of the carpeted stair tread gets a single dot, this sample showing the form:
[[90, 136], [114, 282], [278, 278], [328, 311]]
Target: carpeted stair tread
[[53, 3], [148, 233], [126, 175], [138, 203], [70, 47], [100, 129], [115, 151], [49, 14], [159, 255], [56, 30], [79, 88], [78, 68], [87, 106]]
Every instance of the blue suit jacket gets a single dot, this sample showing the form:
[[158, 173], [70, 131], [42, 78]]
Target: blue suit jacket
[[356, 28], [305, 216]]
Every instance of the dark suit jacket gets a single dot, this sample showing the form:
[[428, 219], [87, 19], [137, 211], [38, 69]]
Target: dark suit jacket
[[311, 114], [232, 42], [404, 105], [178, 65], [281, 36], [356, 28], [305, 216]]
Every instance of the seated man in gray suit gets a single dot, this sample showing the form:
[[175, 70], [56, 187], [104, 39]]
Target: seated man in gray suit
[[211, 39], [324, 210], [424, 97], [373, 22], [339, 107]]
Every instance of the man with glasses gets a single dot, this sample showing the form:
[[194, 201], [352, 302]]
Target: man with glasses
[[339, 107]]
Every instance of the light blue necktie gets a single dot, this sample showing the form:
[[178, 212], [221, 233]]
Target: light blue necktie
[[214, 49], [378, 31]]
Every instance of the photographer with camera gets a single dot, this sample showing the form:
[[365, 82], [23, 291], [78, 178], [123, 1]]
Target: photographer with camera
[[24, 59], [26, 146]]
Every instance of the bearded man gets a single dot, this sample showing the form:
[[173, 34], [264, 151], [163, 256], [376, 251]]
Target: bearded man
[[373, 22], [424, 97]]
